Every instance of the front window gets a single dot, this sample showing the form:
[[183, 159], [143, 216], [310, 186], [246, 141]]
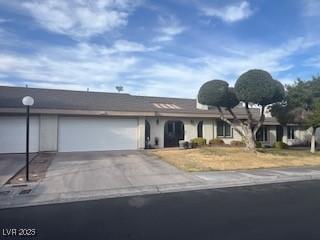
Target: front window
[[262, 134], [223, 129], [291, 133], [200, 129]]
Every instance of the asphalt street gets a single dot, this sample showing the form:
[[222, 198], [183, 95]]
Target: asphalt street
[[275, 211]]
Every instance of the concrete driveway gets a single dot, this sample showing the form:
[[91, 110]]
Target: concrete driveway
[[10, 164], [85, 171]]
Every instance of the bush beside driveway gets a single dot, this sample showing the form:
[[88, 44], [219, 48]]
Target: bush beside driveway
[[235, 158]]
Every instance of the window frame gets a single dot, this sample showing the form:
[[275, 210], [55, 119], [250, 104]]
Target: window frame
[[291, 133], [265, 134], [224, 125]]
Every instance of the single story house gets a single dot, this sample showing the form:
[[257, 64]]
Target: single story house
[[66, 121]]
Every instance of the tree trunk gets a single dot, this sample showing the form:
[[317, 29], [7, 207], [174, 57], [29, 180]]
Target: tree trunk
[[250, 139], [313, 140], [250, 135], [244, 130]]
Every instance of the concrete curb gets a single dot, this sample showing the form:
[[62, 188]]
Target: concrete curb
[[53, 198]]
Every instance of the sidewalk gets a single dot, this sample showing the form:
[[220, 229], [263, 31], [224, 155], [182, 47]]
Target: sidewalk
[[13, 196]]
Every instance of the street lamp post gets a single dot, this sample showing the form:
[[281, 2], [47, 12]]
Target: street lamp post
[[27, 101]]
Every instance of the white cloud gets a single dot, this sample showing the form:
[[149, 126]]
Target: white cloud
[[311, 7], [169, 28], [184, 79], [127, 46], [83, 65], [79, 18], [4, 20], [101, 68], [230, 13], [314, 61]]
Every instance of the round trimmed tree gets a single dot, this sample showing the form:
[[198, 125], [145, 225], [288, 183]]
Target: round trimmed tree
[[213, 92], [254, 86]]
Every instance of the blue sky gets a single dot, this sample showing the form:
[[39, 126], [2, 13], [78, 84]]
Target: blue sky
[[161, 48]]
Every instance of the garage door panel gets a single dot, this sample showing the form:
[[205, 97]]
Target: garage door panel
[[96, 134], [13, 134]]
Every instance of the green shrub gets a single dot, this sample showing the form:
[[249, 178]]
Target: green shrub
[[198, 142], [235, 143], [280, 145], [216, 141], [258, 144]]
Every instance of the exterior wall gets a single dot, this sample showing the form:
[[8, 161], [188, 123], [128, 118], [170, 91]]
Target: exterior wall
[[272, 134], [48, 132], [208, 129], [156, 131], [214, 121], [235, 136], [301, 136], [190, 129]]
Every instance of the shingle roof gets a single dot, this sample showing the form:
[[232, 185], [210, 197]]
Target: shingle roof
[[10, 97]]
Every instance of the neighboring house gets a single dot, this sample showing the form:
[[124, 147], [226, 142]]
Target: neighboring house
[[67, 121]]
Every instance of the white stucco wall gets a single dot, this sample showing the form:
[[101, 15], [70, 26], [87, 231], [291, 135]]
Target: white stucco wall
[[190, 129], [227, 140], [272, 134], [156, 131], [157, 128], [141, 132], [301, 136], [48, 132], [208, 129]]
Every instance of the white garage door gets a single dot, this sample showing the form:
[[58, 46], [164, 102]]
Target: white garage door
[[13, 134], [96, 134]]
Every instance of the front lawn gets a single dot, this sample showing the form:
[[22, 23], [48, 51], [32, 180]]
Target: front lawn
[[232, 158]]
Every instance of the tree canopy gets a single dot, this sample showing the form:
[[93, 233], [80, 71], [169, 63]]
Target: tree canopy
[[213, 92], [301, 105], [257, 86], [314, 118]]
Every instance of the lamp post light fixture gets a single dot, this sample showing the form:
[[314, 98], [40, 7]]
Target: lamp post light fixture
[[27, 101]]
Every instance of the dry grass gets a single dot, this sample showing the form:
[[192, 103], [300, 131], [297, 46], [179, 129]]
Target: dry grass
[[232, 158]]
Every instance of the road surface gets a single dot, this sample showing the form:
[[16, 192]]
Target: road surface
[[275, 211]]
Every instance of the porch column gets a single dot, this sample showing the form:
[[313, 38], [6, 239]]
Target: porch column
[[272, 134], [285, 135], [215, 128], [141, 132]]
